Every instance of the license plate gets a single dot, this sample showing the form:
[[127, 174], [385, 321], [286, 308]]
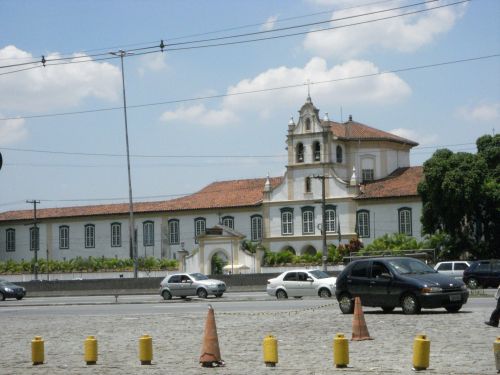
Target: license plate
[[455, 297]]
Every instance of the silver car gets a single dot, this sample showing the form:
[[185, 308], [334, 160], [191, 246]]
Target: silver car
[[190, 284], [301, 282], [453, 268]]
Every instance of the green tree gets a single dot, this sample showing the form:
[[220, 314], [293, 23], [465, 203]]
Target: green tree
[[461, 198], [217, 265]]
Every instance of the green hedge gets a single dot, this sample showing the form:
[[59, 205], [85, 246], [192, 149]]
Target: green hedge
[[89, 264]]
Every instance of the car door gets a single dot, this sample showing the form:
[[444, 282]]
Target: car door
[[495, 274], [305, 285], [381, 292], [174, 285], [290, 283], [458, 269], [358, 281], [187, 287], [483, 273], [446, 268]]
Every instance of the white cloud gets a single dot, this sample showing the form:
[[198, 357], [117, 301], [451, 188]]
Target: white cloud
[[485, 112], [55, 87], [404, 34], [155, 62], [12, 131], [379, 89], [199, 114], [269, 24], [412, 135]]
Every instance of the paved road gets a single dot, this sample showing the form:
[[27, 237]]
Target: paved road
[[460, 343]]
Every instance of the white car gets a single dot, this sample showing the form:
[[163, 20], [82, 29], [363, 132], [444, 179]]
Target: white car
[[452, 268], [301, 282]]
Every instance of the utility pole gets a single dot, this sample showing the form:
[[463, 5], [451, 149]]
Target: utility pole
[[133, 245], [36, 236], [323, 218]]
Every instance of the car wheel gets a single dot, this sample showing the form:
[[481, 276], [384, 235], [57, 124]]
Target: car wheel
[[410, 304], [166, 295], [202, 293], [388, 309], [219, 295], [281, 294], [472, 283], [19, 298], [346, 304], [324, 293], [2, 297], [453, 309]]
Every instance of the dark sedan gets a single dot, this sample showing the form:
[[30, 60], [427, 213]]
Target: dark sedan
[[10, 290], [483, 273], [398, 282]]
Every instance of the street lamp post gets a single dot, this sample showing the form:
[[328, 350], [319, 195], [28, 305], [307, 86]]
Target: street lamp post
[[133, 245]]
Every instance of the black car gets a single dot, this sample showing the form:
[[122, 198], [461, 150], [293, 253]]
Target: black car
[[392, 282], [10, 290], [483, 273]]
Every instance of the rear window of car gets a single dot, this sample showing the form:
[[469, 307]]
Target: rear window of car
[[360, 269], [290, 276], [483, 266], [444, 267], [461, 266], [175, 279]]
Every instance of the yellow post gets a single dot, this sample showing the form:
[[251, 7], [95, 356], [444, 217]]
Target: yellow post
[[496, 352], [90, 350], [340, 351], [421, 351], [37, 351], [270, 349], [145, 349]]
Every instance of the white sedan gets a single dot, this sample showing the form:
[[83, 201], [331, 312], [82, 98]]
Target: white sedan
[[299, 283]]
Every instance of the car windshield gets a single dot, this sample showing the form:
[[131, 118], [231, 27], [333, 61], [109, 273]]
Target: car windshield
[[407, 266], [198, 276], [317, 274]]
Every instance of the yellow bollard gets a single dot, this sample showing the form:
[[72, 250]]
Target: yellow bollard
[[340, 351], [145, 349], [496, 352], [421, 350], [270, 349], [37, 351], [90, 350]]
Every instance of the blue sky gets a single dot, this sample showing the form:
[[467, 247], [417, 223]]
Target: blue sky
[[178, 148]]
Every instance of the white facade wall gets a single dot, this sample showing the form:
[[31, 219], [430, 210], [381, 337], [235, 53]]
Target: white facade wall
[[242, 224], [22, 247], [384, 218]]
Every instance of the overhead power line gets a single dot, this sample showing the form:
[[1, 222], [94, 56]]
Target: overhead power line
[[200, 156], [124, 46], [219, 96], [168, 47]]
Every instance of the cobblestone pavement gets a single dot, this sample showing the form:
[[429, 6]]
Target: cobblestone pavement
[[460, 343]]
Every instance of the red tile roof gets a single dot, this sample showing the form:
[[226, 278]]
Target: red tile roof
[[352, 130], [223, 194], [402, 182]]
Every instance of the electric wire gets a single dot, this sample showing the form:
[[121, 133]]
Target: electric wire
[[46, 63], [37, 59], [219, 96]]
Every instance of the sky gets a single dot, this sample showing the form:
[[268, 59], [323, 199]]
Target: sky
[[218, 109]]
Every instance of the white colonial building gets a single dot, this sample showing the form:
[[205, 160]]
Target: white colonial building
[[369, 188]]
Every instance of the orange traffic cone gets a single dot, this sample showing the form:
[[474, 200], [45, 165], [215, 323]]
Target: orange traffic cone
[[359, 328], [210, 352]]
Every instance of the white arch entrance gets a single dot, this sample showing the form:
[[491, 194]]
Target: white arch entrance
[[221, 240]]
